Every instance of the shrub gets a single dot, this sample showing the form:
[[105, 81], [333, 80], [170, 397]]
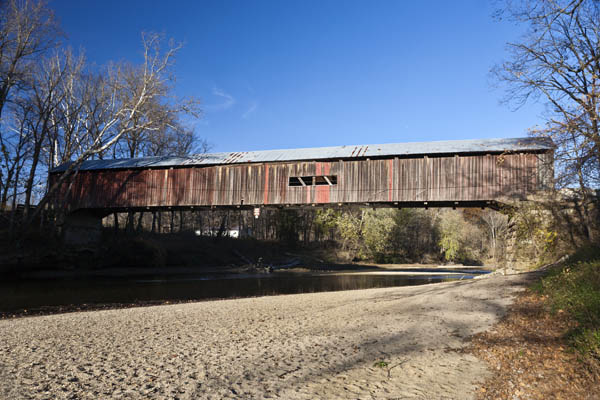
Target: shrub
[[575, 288]]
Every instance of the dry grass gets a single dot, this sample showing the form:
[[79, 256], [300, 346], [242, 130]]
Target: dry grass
[[531, 357]]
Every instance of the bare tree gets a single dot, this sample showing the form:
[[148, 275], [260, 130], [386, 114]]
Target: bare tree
[[64, 111], [497, 227], [44, 97], [166, 135], [557, 62], [27, 29], [114, 107], [70, 116], [175, 141], [15, 146]]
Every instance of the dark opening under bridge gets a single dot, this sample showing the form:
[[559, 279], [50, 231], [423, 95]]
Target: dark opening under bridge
[[464, 173]]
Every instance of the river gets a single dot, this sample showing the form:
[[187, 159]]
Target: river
[[40, 296]]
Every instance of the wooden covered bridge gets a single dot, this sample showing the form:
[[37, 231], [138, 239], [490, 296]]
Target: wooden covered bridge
[[464, 173]]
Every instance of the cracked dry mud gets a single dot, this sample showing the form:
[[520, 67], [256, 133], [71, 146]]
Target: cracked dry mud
[[307, 346]]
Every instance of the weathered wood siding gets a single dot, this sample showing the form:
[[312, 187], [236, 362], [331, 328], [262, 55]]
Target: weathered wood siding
[[452, 178]]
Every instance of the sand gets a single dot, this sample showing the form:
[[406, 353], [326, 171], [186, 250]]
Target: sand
[[365, 344]]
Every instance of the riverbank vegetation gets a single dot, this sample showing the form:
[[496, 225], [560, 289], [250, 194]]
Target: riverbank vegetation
[[310, 237], [547, 346], [526, 235], [574, 288], [342, 235]]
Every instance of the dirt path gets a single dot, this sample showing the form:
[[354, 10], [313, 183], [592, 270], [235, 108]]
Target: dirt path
[[376, 343]]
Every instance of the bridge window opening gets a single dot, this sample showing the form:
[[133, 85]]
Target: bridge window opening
[[295, 181], [322, 180], [308, 180], [326, 180]]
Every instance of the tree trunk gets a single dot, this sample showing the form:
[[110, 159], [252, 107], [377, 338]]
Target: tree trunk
[[224, 223], [7, 188], [582, 208], [29, 187], [116, 222], [130, 221], [201, 220], [140, 222], [13, 212]]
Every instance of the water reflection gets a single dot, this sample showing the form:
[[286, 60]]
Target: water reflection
[[34, 294]]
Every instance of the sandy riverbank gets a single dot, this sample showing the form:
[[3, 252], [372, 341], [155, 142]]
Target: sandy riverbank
[[309, 346]]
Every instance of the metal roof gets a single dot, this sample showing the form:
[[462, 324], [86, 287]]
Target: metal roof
[[326, 153]]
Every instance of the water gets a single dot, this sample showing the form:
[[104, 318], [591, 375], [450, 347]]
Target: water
[[72, 294]]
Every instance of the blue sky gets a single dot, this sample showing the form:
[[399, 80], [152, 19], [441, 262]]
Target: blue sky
[[287, 74]]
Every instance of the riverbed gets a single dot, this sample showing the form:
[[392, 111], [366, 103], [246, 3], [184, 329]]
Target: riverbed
[[401, 342]]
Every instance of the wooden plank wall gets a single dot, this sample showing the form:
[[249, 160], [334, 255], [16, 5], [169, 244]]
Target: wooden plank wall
[[453, 178]]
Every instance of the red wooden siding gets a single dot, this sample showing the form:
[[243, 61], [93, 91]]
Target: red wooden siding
[[451, 178]]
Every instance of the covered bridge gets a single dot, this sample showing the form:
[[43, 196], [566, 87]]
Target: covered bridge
[[459, 173]]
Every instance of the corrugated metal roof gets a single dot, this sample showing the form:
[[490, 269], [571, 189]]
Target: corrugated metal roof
[[322, 153]]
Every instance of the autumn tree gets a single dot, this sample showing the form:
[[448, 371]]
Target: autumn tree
[[378, 234], [557, 62]]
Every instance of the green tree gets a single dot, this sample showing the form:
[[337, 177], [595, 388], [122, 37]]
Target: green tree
[[451, 236], [415, 234], [349, 226], [326, 222], [460, 241], [378, 231]]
